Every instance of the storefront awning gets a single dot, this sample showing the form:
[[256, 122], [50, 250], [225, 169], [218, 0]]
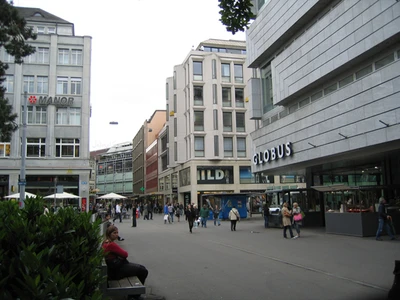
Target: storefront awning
[[334, 188]]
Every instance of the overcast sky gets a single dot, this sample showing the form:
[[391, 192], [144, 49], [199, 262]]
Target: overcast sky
[[135, 45]]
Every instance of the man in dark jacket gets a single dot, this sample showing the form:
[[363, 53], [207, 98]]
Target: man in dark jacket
[[383, 219], [266, 215], [191, 216]]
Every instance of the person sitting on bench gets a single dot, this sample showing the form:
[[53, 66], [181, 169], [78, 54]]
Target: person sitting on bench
[[118, 266]]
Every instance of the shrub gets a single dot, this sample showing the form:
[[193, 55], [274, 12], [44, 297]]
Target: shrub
[[51, 256]]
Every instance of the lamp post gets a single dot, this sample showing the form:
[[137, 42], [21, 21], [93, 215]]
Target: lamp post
[[22, 177]]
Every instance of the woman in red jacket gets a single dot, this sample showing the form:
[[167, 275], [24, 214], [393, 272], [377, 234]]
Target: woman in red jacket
[[116, 258]]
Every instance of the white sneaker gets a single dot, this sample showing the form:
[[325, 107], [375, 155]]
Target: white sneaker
[[295, 237]]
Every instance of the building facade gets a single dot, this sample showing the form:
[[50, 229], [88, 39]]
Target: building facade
[[114, 170], [326, 97], [57, 81], [205, 146], [146, 135]]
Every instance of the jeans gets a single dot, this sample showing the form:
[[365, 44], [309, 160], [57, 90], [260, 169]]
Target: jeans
[[171, 215], [266, 221], [382, 223], [297, 227], [217, 220], [203, 222]]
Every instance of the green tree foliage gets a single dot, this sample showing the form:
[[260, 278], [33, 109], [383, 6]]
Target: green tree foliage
[[236, 14], [53, 256], [13, 36]]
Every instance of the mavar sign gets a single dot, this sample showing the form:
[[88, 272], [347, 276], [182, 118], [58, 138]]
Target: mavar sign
[[272, 154], [48, 100]]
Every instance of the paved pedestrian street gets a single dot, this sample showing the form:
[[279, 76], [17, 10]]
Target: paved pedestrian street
[[254, 263]]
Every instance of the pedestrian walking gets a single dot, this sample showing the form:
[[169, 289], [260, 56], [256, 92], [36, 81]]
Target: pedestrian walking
[[178, 213], [383, 221], [118, 213], [266, 215], [234, 217], [204, 214], [171, 211], [216, 212], [145, 212], [286, 220], [297, 218], [191, 216]]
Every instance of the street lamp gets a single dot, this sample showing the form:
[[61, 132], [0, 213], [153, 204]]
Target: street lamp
[[22, 175]]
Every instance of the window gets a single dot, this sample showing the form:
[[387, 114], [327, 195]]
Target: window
[[174, 83], [30, 58], [330, 89], [43, 55], [267, 89], [293, 108], [240, 123], [8, 57], [76, 57], [226, 72], [166, 91], [199, 121], [316, 96], [215, 119], [42, 85], [226, 97], [40, 29], [239, 97], [63, 56], [304, 102], [35, 147], [76, 86], [238, 70], [175, 104], [228, 147], [29, 84], [214, 69], [227, 121], [384, 61], [175, 151], [216, 145], [241, 146], [5, 149], [37, 114], [215, 94], [9, 83], [197, 70], [68, 116], [199, 146], [363, 72], [346, 81], [67, 147], [198, 95], [51, 30], [175, 127], [62, 85]]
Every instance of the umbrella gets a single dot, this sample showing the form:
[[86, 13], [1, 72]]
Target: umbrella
[[112, 196], [17, 195], [63, 195]]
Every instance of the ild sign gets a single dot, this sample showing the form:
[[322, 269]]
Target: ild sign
[[214, 175]]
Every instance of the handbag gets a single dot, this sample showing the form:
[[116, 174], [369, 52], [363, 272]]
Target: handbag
[[298, 217], [116, 263]]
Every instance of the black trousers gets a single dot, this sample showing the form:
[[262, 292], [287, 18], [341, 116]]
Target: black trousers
[[128, 270], [233, 225], [117, 215], [190, 224]]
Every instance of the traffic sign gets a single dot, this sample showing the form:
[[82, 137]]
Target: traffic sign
[[22, 183], [142, 189]]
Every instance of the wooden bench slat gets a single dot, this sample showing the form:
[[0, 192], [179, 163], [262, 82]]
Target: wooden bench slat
[[134, 281]]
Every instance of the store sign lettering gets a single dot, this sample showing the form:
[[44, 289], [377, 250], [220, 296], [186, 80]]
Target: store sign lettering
[[214, 175], [272, 154], [48, 100]]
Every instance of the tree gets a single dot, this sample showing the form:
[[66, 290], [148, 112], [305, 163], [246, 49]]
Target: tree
[[236, 14], [13, 36]]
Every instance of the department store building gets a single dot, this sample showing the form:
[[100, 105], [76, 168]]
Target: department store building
[[57, 81], [328, 102]]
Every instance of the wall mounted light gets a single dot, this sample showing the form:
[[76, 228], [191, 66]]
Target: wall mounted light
[[387, 125]]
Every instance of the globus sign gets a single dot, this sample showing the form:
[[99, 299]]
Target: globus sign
[[273, 154], [48, 100]]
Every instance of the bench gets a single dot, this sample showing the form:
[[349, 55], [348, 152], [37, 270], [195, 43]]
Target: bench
[[129, 286]]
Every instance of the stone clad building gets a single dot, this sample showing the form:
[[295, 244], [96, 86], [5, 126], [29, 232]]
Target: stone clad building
[[57, 81]]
